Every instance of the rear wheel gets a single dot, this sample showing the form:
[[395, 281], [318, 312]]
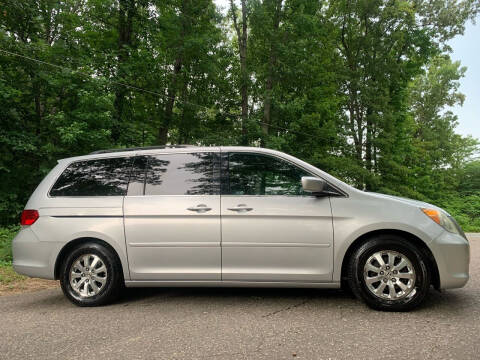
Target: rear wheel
[[389, 273], [91, 275]]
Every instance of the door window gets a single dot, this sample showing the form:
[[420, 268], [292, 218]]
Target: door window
[[258, 174], [99, 177], [175, 174]]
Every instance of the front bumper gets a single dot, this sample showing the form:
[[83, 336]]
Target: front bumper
[[452, 254], [32, 257]]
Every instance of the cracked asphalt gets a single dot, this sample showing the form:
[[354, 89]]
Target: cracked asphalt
[[198, 323]]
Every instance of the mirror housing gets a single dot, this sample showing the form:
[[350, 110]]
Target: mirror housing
[[313, 184]]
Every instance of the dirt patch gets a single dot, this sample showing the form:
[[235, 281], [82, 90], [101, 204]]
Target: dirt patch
[[12, 283]]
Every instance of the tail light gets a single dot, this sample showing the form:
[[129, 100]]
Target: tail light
[[29, 217]]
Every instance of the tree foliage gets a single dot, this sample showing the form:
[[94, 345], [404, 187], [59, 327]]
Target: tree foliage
[[359, 88]]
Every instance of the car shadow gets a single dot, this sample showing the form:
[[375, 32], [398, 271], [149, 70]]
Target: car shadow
[[449, 302], [132, 296], [452, 301]]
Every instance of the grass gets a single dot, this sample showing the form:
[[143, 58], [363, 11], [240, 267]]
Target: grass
[[6, 236], [8, 276], [13, 283]]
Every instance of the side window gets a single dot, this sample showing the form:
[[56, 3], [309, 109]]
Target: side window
[[257, 174], [101, 177], [136, 185], [181, 174]]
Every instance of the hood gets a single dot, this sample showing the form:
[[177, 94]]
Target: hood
[[416, 203]]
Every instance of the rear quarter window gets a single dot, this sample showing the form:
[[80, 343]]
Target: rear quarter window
[[99, 177]]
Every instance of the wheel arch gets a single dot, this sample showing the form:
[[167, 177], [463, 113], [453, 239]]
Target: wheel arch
[[422, 246], [77, 242]]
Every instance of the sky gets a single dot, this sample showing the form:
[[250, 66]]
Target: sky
[[223, 4], [466, 48]]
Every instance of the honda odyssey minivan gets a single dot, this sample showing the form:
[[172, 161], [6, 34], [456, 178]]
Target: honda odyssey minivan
[[230, 216]]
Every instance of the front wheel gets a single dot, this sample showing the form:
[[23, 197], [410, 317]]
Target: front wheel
[[389, 273], [91, 275]]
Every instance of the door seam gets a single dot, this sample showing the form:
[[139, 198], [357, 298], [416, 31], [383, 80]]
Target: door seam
[[125, 238], [220, 165], [333, 238]]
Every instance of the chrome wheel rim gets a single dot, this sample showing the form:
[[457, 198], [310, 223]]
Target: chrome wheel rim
[[88, 275], [389, 275]]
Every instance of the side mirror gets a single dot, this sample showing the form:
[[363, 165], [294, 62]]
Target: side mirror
[[313, 184]]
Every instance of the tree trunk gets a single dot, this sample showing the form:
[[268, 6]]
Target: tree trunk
[[242, 49], [126, 13], [355, 124], [369, 149], [171, 96], [267, 104], [162, 138], [38, 111]]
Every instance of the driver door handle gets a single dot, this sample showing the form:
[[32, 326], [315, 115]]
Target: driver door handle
[[201, 208], [241, 208]]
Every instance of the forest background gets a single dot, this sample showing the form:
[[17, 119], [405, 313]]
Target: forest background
[[359, 88]]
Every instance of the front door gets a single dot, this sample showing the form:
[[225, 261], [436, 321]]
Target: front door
[[271, 229], [172, 218]]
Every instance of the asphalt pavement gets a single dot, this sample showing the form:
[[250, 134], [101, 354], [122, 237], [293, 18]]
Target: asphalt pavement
[[201, 323]]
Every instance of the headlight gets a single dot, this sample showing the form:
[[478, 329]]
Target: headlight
[[444, 220]]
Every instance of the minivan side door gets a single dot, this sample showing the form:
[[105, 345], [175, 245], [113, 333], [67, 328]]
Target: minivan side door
[[272, 231], [172, 217]]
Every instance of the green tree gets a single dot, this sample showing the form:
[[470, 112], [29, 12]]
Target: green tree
[[359, 88], [470, 178], [50, 111], [438, 152]]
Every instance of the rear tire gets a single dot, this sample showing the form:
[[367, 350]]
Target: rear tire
[[389, 273], [91, 275]]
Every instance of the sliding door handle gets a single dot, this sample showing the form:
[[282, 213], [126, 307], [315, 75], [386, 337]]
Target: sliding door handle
[[241, 208], [200, 208]]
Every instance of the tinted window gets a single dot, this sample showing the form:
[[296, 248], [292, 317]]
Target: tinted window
[[102, 177], [181, 174], [256, 174], [136, 186]]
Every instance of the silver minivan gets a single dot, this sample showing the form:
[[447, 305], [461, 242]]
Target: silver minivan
[[230, 216]]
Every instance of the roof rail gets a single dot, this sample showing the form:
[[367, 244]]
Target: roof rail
[[140, 148]]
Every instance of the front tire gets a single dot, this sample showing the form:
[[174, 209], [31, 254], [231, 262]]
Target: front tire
[[389, 273], [91, 275]]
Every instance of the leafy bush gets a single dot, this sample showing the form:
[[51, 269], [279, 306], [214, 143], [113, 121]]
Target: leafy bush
[[466, 210], [6, 236]]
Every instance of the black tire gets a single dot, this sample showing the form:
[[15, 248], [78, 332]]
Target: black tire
[[397, 244], [114, 283]]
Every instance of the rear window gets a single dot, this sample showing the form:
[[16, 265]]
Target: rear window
[[100, 177]]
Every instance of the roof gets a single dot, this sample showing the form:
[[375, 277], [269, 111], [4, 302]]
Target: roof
[[106, 151]]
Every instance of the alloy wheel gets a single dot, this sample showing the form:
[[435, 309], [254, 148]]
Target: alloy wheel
[[88, 275], [389, 275]]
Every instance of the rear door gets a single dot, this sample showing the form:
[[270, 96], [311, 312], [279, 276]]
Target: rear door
[[172, 217], [271, 229]]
